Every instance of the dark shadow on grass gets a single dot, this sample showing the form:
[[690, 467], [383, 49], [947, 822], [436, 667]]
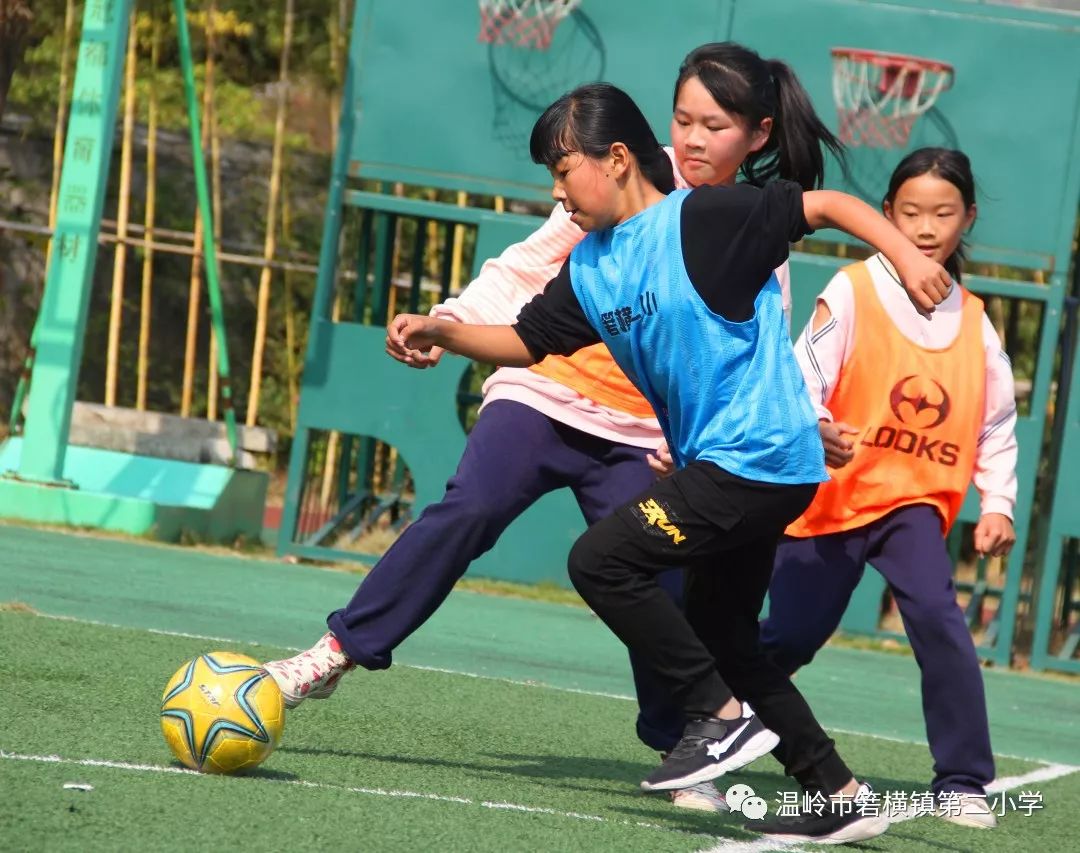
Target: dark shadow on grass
[[253, 773], [542, 766], [618, 780], [557, 770], [620, 772]]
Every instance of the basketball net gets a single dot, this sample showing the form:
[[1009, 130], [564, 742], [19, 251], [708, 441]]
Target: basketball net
[[525, 81], [879, 96], [526, 23]]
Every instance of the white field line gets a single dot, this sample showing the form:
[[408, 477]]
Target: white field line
[[189, 636], [325, 786], [481, 676], [1009, 783], [998, 786], [1042, 774]]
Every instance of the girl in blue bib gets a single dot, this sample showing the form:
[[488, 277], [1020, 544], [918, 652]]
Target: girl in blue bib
[[680, 286]]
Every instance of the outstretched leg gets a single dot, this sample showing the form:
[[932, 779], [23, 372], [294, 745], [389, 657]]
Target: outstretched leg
[[495, 482]]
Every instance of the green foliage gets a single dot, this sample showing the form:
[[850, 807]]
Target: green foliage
[[248, 38]]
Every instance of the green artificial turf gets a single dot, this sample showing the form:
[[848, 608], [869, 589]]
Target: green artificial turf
[[399, 760]]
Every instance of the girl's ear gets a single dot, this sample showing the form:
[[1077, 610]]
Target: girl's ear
[[761, 134], [886, 208], [969, 218], [619, 157]]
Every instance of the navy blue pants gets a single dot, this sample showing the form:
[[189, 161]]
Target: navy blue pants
[[513, 456], [811, 585]]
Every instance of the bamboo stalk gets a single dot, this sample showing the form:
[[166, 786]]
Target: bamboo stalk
[[290, 313], [191, 338], [459, 245], [329, 469], [22, 387], [337, 29], [377, 469], [116, 305], [395, 257], [995, 310], [434, 261], [192, 335], [202, 191], [143, 364], [263, 304]]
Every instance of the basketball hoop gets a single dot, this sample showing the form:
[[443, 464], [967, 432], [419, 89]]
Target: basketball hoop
[[880, 95], [526, 23], [524, 82]]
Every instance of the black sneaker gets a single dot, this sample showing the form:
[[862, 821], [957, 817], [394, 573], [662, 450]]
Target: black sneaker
[[839, 820], [711, 748]]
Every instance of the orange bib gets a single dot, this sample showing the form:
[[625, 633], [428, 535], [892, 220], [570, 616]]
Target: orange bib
[[918, 412], [593, 373]]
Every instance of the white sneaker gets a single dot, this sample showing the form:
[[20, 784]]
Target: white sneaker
[[967, 810], [313, 674], [702, 797]]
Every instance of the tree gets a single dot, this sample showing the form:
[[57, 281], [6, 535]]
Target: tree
[[15, 19]]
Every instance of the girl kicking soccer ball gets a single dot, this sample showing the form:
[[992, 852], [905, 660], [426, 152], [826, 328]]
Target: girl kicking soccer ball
[[681, 287], [585, 425], [911, 413]]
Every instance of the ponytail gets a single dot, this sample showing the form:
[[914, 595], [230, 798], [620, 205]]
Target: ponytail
[[656, 167], [743, 83], [794, 149]]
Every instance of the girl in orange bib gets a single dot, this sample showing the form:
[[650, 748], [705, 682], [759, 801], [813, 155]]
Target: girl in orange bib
[[911, 413]]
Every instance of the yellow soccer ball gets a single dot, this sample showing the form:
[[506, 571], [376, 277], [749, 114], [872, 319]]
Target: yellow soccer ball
[[222, 713]]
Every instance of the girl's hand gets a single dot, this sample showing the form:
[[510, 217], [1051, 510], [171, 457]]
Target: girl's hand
[[994, 535], [926, 281], [410, 339], [422, 361], [838, 450], [661, 463]]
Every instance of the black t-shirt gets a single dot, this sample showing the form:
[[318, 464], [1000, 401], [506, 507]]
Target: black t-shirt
[[732, 240]]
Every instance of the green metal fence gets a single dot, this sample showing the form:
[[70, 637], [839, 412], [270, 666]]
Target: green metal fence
[[428, 106]]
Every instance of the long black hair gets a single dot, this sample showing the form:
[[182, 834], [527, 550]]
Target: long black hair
[[590, 119], [743, 83], [949, 165]]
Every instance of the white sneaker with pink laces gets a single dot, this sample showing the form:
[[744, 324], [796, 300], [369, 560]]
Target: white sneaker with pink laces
[[702, 797], [313, 674]]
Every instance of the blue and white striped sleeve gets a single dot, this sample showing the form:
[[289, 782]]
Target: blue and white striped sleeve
[[996, 453], [822, 348]]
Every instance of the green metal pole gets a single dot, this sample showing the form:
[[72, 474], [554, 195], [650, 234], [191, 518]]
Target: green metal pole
[[325, 283], [61, 322], [213, 286]]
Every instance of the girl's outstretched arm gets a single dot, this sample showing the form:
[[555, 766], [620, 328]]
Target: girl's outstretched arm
[[409, 336], [926, 281]]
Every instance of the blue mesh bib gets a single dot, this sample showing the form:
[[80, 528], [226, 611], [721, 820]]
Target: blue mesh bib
[[729, 393]]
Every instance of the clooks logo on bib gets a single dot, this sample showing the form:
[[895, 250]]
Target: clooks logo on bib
[[920, 403]]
